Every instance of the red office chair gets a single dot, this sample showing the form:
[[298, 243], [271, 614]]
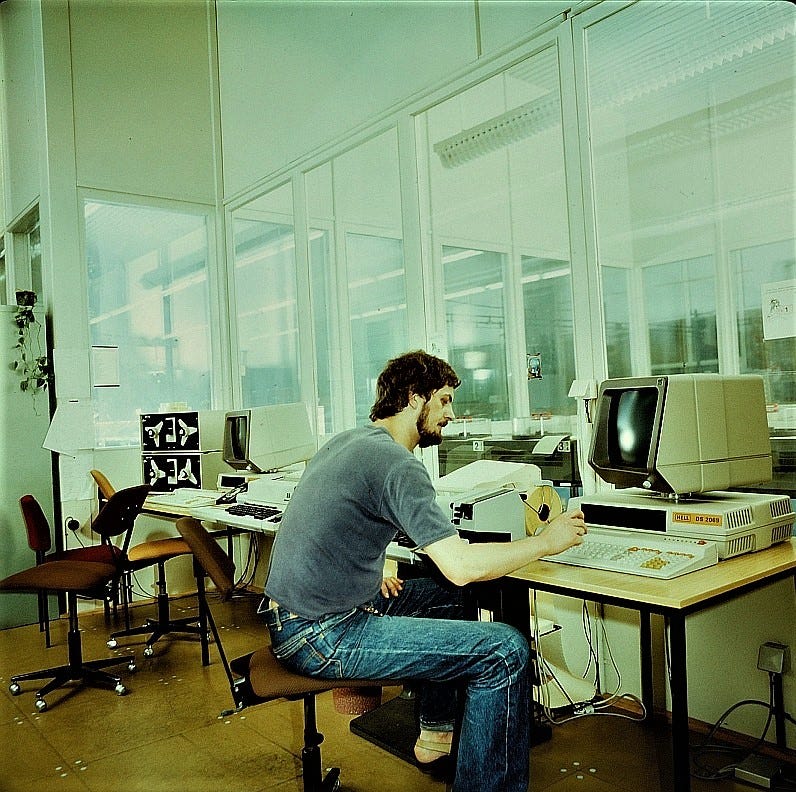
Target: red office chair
[[71, 578], [40, 541]]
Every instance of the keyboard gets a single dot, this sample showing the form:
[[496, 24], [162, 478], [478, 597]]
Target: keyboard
[[256, 511], [639, 553], [241, 515]]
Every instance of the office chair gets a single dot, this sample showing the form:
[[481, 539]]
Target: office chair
[[152, 553], [40, 541], [72, 578], [104, 486], [260, 676]]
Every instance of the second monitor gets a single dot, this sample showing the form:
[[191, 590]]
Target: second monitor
[[269, 437]]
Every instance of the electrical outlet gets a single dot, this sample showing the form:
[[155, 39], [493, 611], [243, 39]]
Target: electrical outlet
[[773, 657]]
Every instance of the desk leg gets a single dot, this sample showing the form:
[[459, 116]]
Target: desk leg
[[645, 645], [681, 761]]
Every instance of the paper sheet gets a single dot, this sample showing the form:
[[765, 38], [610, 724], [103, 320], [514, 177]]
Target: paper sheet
[[490, 473], [72, 428]]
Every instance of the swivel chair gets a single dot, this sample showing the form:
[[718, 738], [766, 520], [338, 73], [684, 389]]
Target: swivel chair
[[152, 553], [40, 541], [72, 578], [260, 676]]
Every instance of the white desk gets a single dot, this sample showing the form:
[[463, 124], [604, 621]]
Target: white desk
[[220, 516], [674, 599]]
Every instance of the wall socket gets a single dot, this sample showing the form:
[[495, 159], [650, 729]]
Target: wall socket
[[774, 658]]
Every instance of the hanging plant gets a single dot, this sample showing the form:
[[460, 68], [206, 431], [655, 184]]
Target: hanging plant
[[31, 364]]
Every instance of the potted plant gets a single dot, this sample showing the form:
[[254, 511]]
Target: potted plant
[[32, 363]]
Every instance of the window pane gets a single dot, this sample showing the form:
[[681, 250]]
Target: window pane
[[691, 126], [3, 277], [766, 278], [680, 300], [327, 343], [547, 297], [148, 296], [377, 308], [616, 309], [267, 316], [34, 257], [476, 330]]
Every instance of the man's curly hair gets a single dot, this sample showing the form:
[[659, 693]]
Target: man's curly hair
[[413, 372]]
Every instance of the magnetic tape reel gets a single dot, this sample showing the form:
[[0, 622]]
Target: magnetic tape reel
[[543, 504]]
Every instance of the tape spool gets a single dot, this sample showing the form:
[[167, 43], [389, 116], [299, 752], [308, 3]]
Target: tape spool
[[542, 504]]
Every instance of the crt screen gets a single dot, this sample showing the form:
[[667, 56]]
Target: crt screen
[[237, 427], [631, 422]]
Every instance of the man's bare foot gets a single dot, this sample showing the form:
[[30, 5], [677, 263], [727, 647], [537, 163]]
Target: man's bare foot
[[432, 745]]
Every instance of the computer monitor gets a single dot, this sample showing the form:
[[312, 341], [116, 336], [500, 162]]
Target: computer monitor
[[268, 438], [681, 433]]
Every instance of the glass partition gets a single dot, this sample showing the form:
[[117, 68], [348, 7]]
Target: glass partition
[[357, 277], [691, 128], [691, 138], [265, 295], [499, 226], [148, 302]]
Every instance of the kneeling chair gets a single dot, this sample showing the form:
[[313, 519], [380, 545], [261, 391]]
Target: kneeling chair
[[259, 677]]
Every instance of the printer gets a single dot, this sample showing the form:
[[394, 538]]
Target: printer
[[487, 515], [483, 499], [271, 489]]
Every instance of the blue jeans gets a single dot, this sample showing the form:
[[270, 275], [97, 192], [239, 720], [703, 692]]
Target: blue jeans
[[419, 635]]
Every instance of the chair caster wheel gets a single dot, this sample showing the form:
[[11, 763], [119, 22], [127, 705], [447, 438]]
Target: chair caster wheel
[[149, 651], [120, 689], [14, 689], [111, 643], [131, 667], [41, 705]]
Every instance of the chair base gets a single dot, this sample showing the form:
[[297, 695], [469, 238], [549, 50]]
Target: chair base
[[311, 768], [164, 624], [89, 672], [160, 627]]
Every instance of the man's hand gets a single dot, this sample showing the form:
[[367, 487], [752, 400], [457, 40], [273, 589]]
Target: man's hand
[[564, 531], [391, 587]]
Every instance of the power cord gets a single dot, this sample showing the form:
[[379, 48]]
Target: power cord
[[739, 754], [580, 709]]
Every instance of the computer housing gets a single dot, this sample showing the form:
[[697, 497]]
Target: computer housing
[[266, 438], [681, 433], [673, 445]]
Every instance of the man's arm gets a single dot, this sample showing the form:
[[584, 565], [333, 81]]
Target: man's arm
[[463, 563]]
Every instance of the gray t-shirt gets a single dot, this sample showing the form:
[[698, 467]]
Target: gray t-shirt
[[356, 492]]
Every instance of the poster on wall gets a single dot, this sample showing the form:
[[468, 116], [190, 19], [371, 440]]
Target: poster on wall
[[778, 302]]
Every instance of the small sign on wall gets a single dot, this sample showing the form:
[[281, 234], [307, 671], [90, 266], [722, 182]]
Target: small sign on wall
[[778, 302]]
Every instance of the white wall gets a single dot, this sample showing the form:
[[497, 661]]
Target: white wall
[[20, 108], [143, 98]]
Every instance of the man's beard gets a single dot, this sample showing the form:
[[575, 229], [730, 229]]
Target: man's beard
[[428, 437]]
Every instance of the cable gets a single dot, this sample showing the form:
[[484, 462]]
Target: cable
[[547, 676], [740, 753]]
